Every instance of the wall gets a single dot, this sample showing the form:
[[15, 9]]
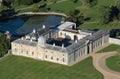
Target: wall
[[70, 35], [114, 41], [56, 56]]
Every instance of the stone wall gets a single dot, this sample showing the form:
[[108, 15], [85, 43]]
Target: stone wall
[[114, 41]]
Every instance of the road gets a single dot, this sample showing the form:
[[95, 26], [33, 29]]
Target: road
[[100, 65]]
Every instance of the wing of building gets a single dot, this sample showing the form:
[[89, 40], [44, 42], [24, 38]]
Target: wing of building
[[63, 44]]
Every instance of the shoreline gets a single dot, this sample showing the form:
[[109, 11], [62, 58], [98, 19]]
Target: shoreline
[[42, 13]]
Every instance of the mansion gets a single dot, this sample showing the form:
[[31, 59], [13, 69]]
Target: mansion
[[63, 44]]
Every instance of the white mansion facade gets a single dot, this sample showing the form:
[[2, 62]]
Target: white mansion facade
[[62, 44]]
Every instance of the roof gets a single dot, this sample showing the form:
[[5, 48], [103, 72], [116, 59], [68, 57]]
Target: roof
[[25, 42], [66, 25], [80, 43], [96, 35], [56, 48], [63, 26]]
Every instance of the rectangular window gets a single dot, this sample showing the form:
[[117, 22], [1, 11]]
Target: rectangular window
[[51, 58], [32, 53], [63, 60], [27, 52], [57, 59], [46, 56]]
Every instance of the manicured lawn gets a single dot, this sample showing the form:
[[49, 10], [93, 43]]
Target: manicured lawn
[[15, 67], [114, 63], [112, 47], [92, 26]]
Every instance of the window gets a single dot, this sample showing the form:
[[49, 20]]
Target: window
[[27, 52], [57, 59], [65, 34], [15, 50], [63, 60], [51, 58], [46, 56], [32, 53], [21, 51], [60, 33]]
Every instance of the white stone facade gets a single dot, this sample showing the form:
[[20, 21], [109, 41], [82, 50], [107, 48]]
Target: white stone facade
[[64, 46]]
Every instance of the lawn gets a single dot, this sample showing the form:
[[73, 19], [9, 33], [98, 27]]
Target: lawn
[[15, 67], [112, 47], [94, 25], [114, 63]]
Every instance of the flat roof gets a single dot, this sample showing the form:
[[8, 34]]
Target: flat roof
[[65, 25]]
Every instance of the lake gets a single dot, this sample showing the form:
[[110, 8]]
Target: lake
[[22, 25]]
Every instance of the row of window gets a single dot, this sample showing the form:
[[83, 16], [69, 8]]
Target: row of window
[[25, 52], [53, 52], [57, 59], [62, 34]]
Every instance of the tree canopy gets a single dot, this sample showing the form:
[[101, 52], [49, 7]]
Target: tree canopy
[[4, 45]]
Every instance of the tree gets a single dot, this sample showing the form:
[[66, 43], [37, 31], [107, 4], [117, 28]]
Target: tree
[[118, 4], [7, 3], [118, 7], [4, 45], [114, 13], [89, 2], [105, 14], [75, 16]]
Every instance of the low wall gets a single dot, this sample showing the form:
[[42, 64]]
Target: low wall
[[114, 41]]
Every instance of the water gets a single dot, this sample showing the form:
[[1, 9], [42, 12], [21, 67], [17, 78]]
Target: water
[[23, 25]]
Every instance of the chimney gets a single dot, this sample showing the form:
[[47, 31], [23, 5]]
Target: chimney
[[44, 26], [76, 41], [53, 44], [31, 40], [22, 38], [62, 45], [34, 31], [79, 31]]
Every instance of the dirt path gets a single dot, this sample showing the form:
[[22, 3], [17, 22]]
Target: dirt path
[[99, 64]]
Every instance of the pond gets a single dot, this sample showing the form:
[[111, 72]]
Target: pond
[[25, 24]]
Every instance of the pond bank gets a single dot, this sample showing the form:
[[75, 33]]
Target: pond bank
[[42, 13]]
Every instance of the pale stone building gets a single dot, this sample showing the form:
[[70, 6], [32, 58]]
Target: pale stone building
[[62, 44]]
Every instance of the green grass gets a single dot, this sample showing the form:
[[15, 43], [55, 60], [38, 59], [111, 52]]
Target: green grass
[[92, 26], [112, 47], [114, 63], [15, 67]]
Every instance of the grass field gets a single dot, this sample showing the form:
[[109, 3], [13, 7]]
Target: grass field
[[66, 6], [114, 63], [112, 47], [15, 67], [92, 26]]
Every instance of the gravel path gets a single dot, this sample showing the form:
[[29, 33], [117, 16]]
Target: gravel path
[[99, 64]]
